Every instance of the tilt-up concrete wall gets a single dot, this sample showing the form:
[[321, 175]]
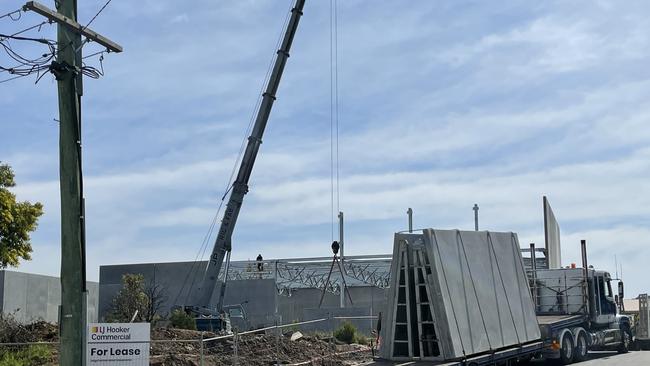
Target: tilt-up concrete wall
[[258, 296], [31, 297]]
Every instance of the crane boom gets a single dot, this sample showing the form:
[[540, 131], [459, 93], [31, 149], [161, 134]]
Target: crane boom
[[222, 246]]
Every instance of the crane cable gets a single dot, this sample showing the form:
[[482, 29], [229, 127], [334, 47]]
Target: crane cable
[[335, 196]]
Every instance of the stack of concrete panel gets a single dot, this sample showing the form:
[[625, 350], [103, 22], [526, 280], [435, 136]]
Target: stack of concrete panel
[[643, 330], [455, 294]]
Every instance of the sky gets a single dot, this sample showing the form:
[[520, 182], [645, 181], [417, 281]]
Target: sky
[[441, 105]]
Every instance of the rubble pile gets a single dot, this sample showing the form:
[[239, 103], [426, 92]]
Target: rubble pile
[[12, 331], [252, 349]]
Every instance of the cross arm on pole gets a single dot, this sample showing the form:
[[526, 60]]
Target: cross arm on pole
[[73, 25]]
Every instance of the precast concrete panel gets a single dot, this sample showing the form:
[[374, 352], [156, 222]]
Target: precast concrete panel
[[481, 300], [358, 316], [32, 297], [175, 280], [484, 289], [552, 236]]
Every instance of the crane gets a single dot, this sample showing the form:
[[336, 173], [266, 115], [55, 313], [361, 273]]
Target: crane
[[201, 295]]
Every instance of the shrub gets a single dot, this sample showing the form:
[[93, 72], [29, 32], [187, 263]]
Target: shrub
[[182, 320], [346, 333], [362, 339], [28, 356]]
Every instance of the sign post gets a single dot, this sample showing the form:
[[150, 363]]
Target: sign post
[[118, 344]]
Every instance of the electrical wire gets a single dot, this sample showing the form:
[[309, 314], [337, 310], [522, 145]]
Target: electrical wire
[[26, 66], [39, 25], [13, 78], [96, 15], [19, 12]]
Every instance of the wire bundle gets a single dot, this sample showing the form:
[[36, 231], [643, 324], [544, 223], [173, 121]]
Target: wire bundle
[[46, 62]]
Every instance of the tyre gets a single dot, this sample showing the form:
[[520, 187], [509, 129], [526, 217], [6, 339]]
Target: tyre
[[626, 339], [582, 347], [567, 349]]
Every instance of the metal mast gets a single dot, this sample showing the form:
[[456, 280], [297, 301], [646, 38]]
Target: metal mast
[[223, 245]]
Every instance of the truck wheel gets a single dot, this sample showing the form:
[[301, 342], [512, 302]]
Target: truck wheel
[[582, 347], [626, 340], [567, 349]]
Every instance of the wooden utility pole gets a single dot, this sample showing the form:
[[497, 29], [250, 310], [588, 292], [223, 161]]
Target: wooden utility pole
[[67, 70], [72, 316]]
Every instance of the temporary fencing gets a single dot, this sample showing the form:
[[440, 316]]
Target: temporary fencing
[[296, 343]]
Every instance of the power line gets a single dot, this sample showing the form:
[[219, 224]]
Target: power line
[[13, 78], [39, 25], [96, 15], [19, 12]]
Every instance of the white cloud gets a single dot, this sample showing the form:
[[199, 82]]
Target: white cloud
[[496, 105]]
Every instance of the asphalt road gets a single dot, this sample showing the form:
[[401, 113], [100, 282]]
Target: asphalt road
[[634, 358], [640, 358]]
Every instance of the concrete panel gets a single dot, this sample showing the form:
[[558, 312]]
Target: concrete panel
[[365, 326], [175, 279], [475, 291], [34, 297], [552, 236]]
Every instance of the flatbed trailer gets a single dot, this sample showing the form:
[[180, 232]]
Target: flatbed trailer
[[508, 354]]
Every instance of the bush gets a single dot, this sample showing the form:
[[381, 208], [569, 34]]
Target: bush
[[363, 340], [28, 356], [182, 320], [12, 331], [346, 333]]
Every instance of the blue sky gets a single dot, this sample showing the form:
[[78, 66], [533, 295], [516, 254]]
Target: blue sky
[[442, 105]]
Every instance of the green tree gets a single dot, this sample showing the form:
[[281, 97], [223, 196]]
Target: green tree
[[130, 299], [17, 221]]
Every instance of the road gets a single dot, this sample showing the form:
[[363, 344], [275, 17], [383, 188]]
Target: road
[[612, 358], [636, 358]]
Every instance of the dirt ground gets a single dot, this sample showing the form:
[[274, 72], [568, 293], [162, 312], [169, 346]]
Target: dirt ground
[[180, 347], [253, 350]]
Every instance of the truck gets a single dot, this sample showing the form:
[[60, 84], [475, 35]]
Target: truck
[[577, 312], [465, 298], [216, 318]]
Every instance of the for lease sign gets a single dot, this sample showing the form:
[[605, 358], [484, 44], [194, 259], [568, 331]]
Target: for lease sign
[[118, 344]]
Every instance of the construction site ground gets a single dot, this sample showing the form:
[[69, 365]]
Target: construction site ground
[[254, 350], [181, 347]]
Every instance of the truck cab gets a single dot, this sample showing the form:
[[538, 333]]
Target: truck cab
[[603, 307]]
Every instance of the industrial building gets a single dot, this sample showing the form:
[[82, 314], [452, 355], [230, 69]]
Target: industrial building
[[290, 287]]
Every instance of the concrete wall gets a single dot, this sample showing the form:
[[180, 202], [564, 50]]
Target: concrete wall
[[32, 297], [257, 296], [303, 305], [260, 295]]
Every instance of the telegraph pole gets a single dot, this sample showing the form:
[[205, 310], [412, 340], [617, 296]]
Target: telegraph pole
[[67, 70]]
